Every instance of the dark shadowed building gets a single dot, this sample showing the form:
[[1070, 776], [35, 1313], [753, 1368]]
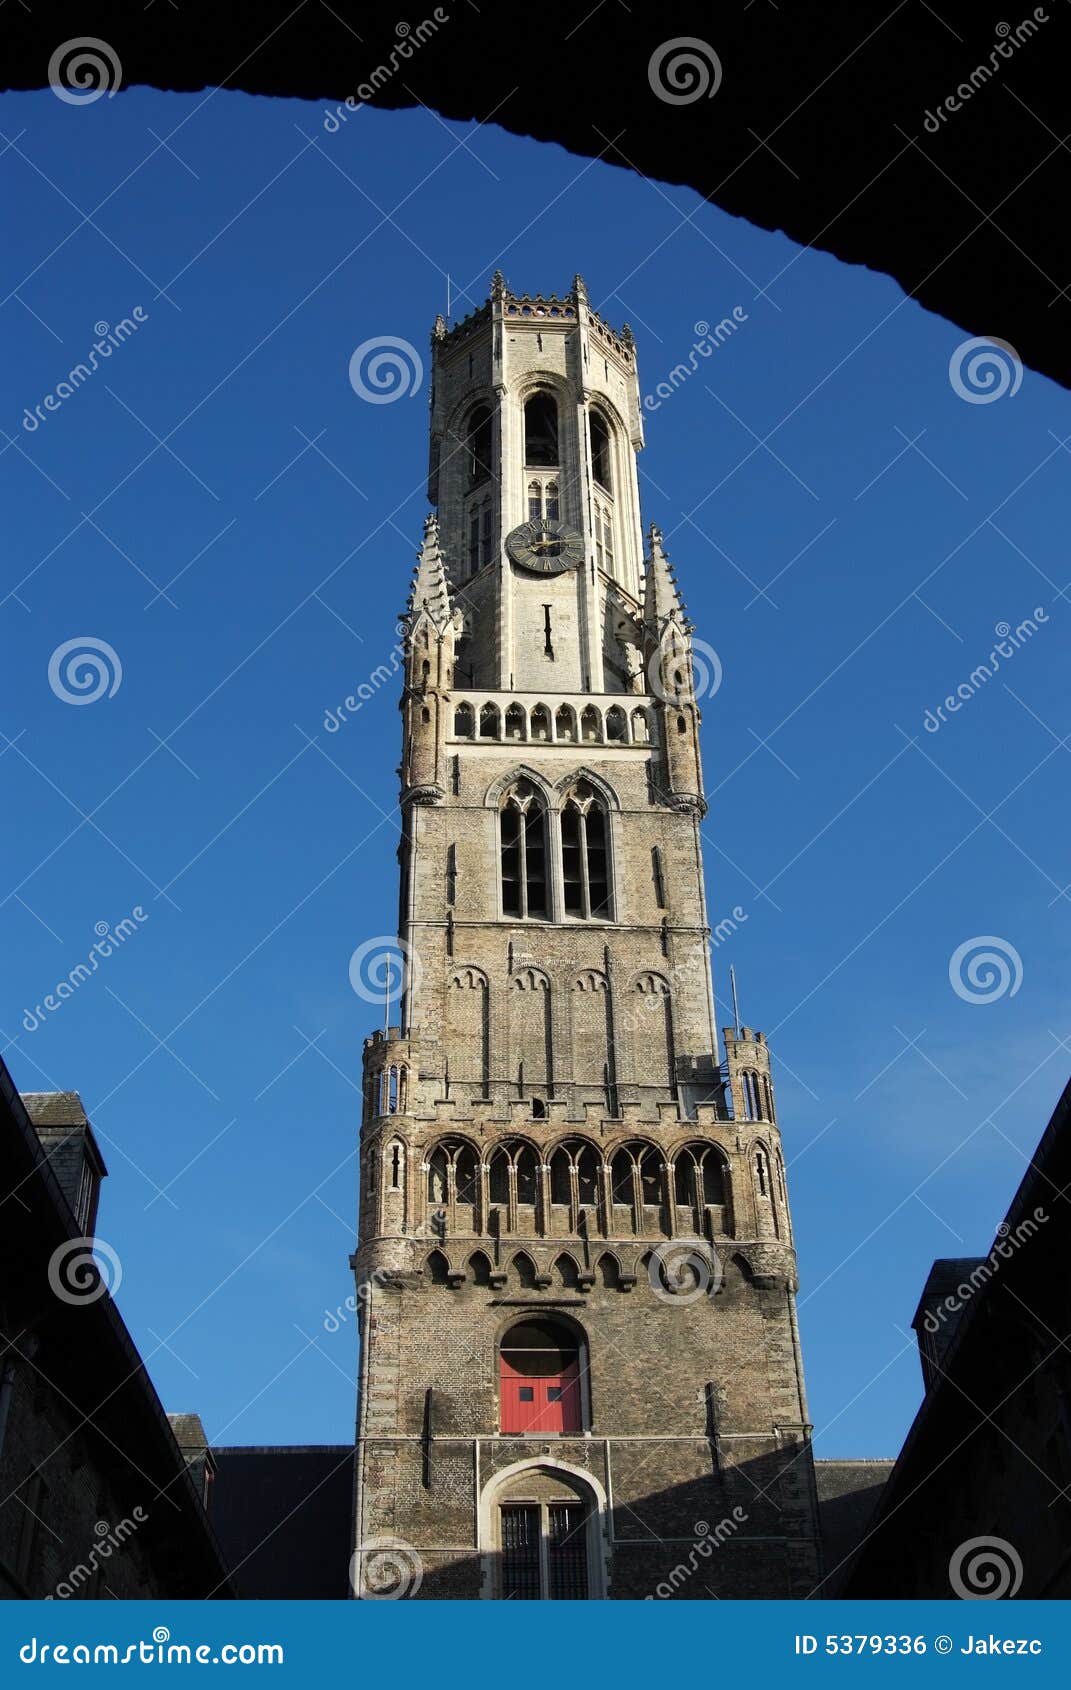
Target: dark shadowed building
[[96, 1499], [989, 1454]]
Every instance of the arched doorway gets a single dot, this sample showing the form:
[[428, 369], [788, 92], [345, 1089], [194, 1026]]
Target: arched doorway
[[541, 1530], [540, 1386]]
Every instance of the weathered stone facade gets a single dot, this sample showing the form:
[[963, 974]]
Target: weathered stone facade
[[549, 1136]]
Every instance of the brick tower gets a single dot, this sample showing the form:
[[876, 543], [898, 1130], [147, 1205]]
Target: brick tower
[[580, 1372]]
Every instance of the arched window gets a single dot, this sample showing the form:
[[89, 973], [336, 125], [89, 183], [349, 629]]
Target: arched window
[[480, 1268], [480, 534], [452, 1173], [615, 723], [395, 1166], [699, 1177], [464, 722], [543, 501], [512, 1180], [636, 1182], [540, 1378], [762, 1173], [545, 1550], [541, 432], [749, 1084], [515, 723], [590, 726], [641, 731], [767, 1099], [523, 821], [490, 722], [541, 722], [601, 453], [478, 444], [565, 723], [574, 1178], [585, 855]]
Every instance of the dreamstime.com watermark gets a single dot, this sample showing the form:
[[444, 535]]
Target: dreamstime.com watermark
[[157, 1652], [1006, 46], [707, 1539], [984, 369], [410, 39], [684, 70], [385, 1569], [109, 1539], [84, 669], [1009, 641], [677, 679], [979, 1276], [708, 339], [985, 968], [109, 338], [985, 1569], [380, 964], [108, 940], [83, 1270], [83, 70], [384, 672]]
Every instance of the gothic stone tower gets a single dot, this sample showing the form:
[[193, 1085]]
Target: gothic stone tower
[[580, 1370]]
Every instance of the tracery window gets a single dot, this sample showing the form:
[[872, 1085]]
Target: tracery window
[[585, 855], [523, 824]]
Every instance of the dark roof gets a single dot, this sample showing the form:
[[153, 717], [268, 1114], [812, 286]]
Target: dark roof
[[55, 1108], [284, 1518]]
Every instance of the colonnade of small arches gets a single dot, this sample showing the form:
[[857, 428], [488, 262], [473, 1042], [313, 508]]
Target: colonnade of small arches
[[564, 725], [576, 1186]]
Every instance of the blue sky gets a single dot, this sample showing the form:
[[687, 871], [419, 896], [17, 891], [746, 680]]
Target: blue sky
[[219, 506]]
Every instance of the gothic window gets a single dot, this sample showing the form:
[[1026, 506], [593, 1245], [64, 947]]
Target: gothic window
[[490, 722], [464, 722], [590, 726], [539, 1378], [478, 443], [641, 732], [515, 722], [541, 432], [565, 723], [762, 1173], [543, 501], [394, 1166], [512, 1180], [636, 1182], [767, 1099], [574, 1178], [523, 822], [585, 858], [543, 1551], [750, 1084], [699, 1176], [600, 453], [480, 1268], [616, 728], [452, 1173], [540, 722]]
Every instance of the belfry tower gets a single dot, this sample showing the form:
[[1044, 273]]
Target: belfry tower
[[580, 1368]]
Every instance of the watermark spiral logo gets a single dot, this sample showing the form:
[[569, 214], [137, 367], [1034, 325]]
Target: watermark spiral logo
[[160, 1634], [386, 1569], [985, 968], [684, 1270], [377, 966], [84, 669], [83, 1270], [386, 368], [684, 70], [668, 673], [985, 1569], [84, 70], [984, 370]]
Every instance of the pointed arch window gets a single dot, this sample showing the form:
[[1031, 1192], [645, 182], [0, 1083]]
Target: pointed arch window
[[452, 1173], [601, 453], [480, 534], [543, 501], [523, 823], [585, 855], [541, 432], [699, 1177], [478, 445]]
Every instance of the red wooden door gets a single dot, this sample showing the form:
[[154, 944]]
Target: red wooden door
[[547, 1402]]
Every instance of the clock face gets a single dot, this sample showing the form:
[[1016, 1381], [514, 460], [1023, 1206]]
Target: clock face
[[545, 547]]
